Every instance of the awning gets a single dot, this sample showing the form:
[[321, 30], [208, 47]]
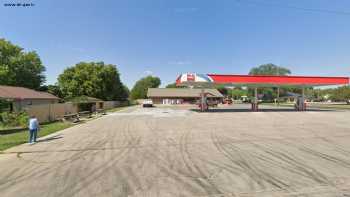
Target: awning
[[189, 79]]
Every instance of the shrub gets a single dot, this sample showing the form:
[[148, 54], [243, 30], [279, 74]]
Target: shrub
[[4, 106], [14, 119]]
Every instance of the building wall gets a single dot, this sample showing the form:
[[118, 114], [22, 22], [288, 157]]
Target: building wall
[[56, 111], [178, 100], [110, 104], [172, 100], [157, 100], [51, 112], [21, 104]]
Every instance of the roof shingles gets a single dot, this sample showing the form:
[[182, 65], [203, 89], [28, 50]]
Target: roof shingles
[[20, 93]]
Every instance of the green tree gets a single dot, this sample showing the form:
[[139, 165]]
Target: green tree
[[94, 79], [52, 89], [339, 94], [125, 93], [173, 85], [222, 89], [139, 91], [19, 68], [55, 90], [269, 69], [237, 93]]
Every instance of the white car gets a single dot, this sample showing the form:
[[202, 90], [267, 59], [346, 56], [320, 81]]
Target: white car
[[147, 103]]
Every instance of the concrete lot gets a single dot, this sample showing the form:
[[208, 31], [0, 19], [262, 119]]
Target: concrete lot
[[178, 152]]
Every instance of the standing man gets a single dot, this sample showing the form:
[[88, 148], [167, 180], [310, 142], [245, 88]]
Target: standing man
[[33, 129]]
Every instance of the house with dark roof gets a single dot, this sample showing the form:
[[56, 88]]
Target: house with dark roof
[[20, 97], [180, 95]]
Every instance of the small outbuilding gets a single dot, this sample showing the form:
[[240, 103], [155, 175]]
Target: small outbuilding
[[87, 103], [19, 97], [180, 95]]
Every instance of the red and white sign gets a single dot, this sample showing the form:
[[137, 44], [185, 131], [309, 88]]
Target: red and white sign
[[191, 77]]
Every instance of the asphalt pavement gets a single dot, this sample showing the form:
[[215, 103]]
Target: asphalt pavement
[[177, 151]]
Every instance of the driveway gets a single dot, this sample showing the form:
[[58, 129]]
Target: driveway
[[179, 152]]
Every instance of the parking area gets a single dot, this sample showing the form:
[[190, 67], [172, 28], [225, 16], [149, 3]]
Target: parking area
[[177, 151]]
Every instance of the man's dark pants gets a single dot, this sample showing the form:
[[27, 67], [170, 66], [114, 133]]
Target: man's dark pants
[[32, 135]]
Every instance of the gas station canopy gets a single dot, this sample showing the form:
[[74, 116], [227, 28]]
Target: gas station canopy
[[192, 79]]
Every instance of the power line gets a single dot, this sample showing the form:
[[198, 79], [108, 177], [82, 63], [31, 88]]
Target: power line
[[294, 7]]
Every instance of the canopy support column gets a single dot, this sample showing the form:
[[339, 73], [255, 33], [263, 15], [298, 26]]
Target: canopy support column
[[300, 105], [278, 96], [303, 104], [255, 102]]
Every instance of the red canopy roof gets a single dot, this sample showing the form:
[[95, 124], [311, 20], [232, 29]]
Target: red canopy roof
[[260, 80], [279, 80]]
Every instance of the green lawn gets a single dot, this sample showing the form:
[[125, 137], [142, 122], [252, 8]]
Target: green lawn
[[321, 106], [10, 140], [281, 104], [330, 106]]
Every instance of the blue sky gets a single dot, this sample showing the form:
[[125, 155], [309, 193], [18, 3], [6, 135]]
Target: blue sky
[[166, 38]]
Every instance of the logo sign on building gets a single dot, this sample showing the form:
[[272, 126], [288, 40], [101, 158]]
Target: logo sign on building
[[190, 77]]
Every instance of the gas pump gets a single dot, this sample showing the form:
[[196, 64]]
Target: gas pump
[[255, 100], [300, 104], [203, 102]]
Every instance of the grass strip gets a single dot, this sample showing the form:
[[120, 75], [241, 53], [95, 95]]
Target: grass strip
[[10, 140]]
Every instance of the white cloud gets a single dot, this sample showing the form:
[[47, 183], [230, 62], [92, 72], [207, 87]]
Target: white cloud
[[148, 72], [180, 62]]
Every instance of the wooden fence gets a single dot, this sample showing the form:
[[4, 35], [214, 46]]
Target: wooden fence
[[52, 112]]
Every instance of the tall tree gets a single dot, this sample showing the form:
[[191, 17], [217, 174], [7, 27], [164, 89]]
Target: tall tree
[[94, 79], [269, 69], [173, 85], [139, 91], [340, 94], [19, 68], [222, 89], [125, 93], [52, 89], [55, 90], [237, 93]]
